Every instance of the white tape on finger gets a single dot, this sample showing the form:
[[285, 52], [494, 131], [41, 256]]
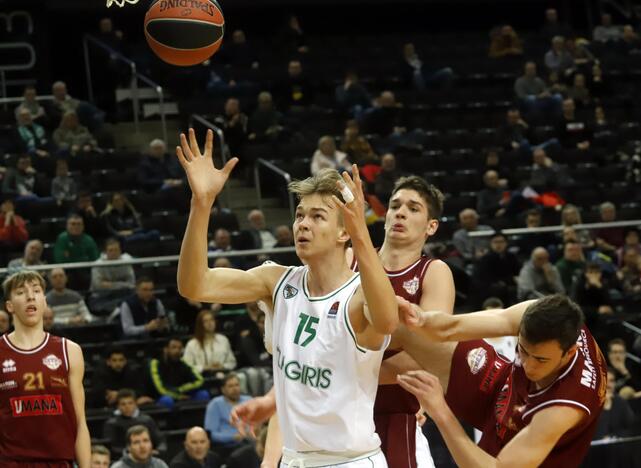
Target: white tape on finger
[[347, 194]]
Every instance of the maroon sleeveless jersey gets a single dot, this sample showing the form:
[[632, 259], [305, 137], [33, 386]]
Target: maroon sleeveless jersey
[[37, 418], [495, 396], [395, 409]]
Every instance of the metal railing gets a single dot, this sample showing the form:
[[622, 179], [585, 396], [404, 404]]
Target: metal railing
[[135, 76], [220, 138], [285, 175], [558, 228], [15, 67]]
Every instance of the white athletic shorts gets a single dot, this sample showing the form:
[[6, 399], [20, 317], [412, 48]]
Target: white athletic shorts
[[373, 461], [423, 454]]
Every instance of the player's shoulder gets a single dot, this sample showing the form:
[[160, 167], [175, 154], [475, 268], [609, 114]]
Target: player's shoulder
[[435, 268], [271, 273]]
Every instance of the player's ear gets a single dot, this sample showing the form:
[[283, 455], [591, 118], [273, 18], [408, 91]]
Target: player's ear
[[8, 306], [571, 350], [432, 226], [343, 235]]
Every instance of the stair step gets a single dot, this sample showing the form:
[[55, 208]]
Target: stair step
[[124, 94], [150, 109]]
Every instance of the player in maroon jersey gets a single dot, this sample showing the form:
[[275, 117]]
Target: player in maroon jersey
[[540, 410], [42, 415], [412, 217]]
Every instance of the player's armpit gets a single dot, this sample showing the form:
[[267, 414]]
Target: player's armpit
[[533, 444], [232, 286], [76, 375], [360, 322]]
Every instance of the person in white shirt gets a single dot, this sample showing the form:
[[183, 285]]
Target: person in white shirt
[[327, 156], [208, 350]]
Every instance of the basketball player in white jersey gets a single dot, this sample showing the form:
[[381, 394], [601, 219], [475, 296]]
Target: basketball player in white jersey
[[330, 325]]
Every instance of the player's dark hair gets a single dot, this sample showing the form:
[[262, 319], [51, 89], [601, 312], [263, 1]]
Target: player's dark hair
[[428, 192], [125, 393], [19, 279], [554, 317], [136, 430], [615, 341]]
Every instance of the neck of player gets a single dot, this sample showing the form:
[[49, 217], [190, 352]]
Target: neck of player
[[397, 257], [327, 274], [25, 337]]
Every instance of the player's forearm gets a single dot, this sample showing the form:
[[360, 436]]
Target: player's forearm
[[192, 263], [465, 452], [83, 446], [273, 444], [377, 288]]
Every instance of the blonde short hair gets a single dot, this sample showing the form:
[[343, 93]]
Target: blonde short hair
[[16, 280], [323, 183]]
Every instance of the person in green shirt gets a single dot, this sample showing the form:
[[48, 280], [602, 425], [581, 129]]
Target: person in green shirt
[[73, 245], [572, 263]]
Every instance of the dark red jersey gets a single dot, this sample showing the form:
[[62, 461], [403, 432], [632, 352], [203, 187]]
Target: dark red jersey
[[496, 397], [395, 409], [37, 418]]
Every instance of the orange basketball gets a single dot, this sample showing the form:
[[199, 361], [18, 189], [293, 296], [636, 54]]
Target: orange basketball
[[184, 32]]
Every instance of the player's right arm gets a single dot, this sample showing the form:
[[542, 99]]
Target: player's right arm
[[196, 281], [440, 326]]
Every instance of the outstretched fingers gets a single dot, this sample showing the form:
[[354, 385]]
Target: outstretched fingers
[[229, 166], [193, 143], [209, 144]]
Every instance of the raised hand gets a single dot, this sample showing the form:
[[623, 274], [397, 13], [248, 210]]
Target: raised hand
[[354, 211], [425, 387], [205, 181], [407, 314]]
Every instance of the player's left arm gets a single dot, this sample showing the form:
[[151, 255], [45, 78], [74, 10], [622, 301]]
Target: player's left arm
[[76, 374], [438, 288]]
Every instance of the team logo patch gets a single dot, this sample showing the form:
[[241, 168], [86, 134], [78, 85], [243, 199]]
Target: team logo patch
[[8, 365], [36, 405], [289, 291], [59, 382], [8, 385], [333, 310], [411, 286], [476, 359], [52, 361]]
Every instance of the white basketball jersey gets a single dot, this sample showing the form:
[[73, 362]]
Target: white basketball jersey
[[325, 382]]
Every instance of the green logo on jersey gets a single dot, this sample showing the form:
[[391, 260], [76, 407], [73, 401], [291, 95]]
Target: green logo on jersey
[[289, 291], [315, 377]]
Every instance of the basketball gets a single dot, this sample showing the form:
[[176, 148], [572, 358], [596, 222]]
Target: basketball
[[184, 32]]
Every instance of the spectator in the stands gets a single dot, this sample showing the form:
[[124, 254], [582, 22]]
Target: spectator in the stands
[[418, 74], [630, 43], [352, 96], [85, 209], [327, 156], [617, 419], [552, 26], [356, 147], [470, 248], [590, 291], [48, 320], [572, 131], [571, 265], [109, 284], [295, 90], [225, 437], [140, 450], [32, 257], [262, 236], [505, 42], [196, 453], [113, 375], [5, 322], [126, 415], [72, 137], [20, 181], [579, 91], [611, 238], [266, 123], [534, 94], [249, 456], [68, 305], [209, 351], [514, 134], [62, 102], [238, 53], [30, 102], [73, 245], [630, 241], [292, 37], [221, 241], [63, 187], [538, 277], [558, 59], [123, 221], [159, 170], [234, 124], [100, 456], [172, 379], [284, 238], [607, 31], [490, 200], [13, 229], [630, 273], [627, 373], [496, 272], [31, 137], [386, 118], [386, 178], [545, 172], [570, 216], [142, 313], [251, 345]]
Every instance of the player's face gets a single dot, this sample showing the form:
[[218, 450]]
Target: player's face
[[197, 445], [140, 447], [127, 406], [542, 360], [27, 303], [316, 227], [407, 218], [99, 461]]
